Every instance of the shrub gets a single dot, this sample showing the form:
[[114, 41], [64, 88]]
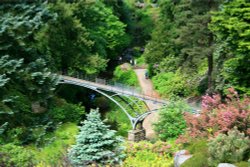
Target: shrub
[[173, 84], [229, 148], [159, 147], [147, 158], [171, 122], [95, 144], [15, 156], [126, 76], [19, 135], [217, 117], [66, 112], [140, 60]]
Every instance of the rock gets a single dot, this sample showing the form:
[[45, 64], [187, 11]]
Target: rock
[[180, 157], [226, 165], [37, 108]]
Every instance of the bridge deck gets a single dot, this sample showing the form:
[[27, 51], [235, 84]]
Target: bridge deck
[[147, 96]]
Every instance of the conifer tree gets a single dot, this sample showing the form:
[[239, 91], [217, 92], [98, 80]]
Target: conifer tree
[[95, 144]]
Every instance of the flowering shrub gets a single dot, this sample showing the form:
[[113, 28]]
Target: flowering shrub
[[219, 117], [229, 148]]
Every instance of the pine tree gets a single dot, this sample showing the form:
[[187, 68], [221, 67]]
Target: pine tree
[[95, 144]]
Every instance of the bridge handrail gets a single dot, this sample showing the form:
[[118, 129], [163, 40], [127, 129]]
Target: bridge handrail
[[103, 81], [113, 85]]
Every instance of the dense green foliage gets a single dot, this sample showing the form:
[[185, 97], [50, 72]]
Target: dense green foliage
[[125, 75], [83, 37], [242, 164], [12, 155], [38, 40], [51, 153], [65, 112], [95, 144], [171, 122], [197, 160], [231, 28], [187, 45], [27, 83], [205, 44], [55, 145], [173, 85], [140, 21], [192, 47]]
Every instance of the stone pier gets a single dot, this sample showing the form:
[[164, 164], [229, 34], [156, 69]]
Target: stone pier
[[136, 135]]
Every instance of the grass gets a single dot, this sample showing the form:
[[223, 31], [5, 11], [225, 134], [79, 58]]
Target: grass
[[242, 164]]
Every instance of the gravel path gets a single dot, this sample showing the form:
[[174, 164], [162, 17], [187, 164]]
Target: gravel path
[[147, 88]]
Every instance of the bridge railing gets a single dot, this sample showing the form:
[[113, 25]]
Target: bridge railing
[[113, 85]]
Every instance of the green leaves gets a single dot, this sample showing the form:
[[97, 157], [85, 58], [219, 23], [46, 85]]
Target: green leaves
[[171, 123], [105, 29], [12, 155], [126, 75], [191, 36], [231, 28]]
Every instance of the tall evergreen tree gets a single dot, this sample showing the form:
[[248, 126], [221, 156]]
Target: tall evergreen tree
[[95, 144], [183, 42], [231, 29]]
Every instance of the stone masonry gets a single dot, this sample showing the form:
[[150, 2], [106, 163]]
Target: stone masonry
[[136, 135]]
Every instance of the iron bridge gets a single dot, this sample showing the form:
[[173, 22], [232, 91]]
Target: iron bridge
[[124, 93]]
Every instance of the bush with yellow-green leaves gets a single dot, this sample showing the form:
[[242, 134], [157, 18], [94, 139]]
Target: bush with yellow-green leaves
[[146, 154]]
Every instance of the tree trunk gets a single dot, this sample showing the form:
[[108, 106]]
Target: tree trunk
[[210, 72], [210, 58]]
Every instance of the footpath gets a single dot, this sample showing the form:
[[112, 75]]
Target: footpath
[[147, 88]]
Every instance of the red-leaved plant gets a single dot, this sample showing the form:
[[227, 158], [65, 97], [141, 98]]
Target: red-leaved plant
[[219, 117]]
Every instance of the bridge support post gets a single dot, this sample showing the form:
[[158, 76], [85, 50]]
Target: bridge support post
[[136, 135]]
